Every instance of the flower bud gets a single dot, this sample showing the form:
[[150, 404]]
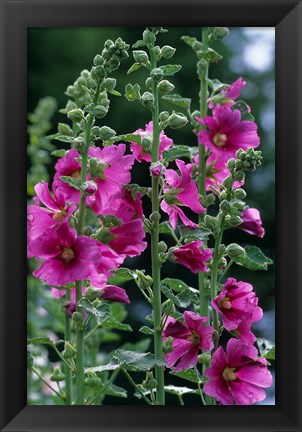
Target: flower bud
[[231, 164], [57, 375], [155, 217], [69, 351], [167, 51], [235, 221], [225, 206], [176, 121], [162, 247], [106, 133], [149, 82], [109, 84], [98, 60], [221, 249], [228, 182], [204, 358], [165, 87], [141, 57], [99, 72], [234, 250], [156, 169], [146, 144], [202, 66], [75, 115], [99, 111], [89, 188], [168, 345], [156, 74], [147, 99], [222, 263], [87, 231], [197, 46], [93, 382], [163, 116], [211, 222], [65, 129], [92, 293], [239, 194], [149, 37], [239, 176], [77, 317], [219, 33]]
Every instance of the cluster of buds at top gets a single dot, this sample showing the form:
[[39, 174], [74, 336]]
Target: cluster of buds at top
[[247, 161]]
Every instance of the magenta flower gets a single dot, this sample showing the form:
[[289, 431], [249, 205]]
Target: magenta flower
[[188, 338], [228, 95], [139, 153], [237, 376], [180, 190], [191, 255], [114, 293], [110, 260], [68, 258], [57, 211], [252, 223], [243, 332], [236, 304], [227, 133], [68, 166]]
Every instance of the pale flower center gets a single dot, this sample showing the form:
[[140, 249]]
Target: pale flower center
[[225, 303], [59, 216], [194, 338], [229, 374], [67, 254], [76, 175], [220, 139]]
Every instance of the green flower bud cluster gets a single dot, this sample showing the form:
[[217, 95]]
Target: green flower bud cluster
[[113, 53], [218, 33]]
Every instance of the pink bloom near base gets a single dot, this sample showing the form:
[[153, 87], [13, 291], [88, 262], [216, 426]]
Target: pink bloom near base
[[192, 256]]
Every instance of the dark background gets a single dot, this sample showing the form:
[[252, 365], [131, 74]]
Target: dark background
[[56, 58]]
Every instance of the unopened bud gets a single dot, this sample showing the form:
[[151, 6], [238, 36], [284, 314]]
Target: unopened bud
[[57, 375], [141, 57], [167, 51], [65, 129], [98, 60], [106, 133], [177, 120], [211, 222], [239, 194], [149, 37], [231, 164], [75, 115], [235, 221], [239, 176], [165, 87], [156, 74], [147, 99], [168, 345], [228, 182], [69, 351], [156, 169], [234, 250], [225, 206], [155, 217], [89, 188]]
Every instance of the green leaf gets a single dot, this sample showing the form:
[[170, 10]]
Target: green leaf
[[183, 299], [200, 233], [40, 341], [132, 93], [178, 101], [111, 323], [166, 228], [266, 348], [133, 68], [210, 56], [114, 92], [188, 40], [59, 153], [135, 189], [134, 361], [110, 221], [169, 70], [189, 375], [216, 85], [125, 273], [75, 183], [146, 330], [253, 259], [176, 152], [114, 390], [140, 346], [176, 285], [112, 365], [179, 391], [62, 138], [100, 311], [130, 138]]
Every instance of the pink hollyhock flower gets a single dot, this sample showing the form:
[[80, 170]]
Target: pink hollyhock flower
[[114, 293], [69, 258], [252, 223], [68, 166], [192, 256], [110, 260], [227, 133], [188, 338], [237, 376], [57, 211], [139, 153], [180, 190], [237, 303], [228, 94], [243, 332]]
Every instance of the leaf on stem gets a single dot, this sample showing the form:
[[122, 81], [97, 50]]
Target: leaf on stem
[[253, 259], [178, 100]]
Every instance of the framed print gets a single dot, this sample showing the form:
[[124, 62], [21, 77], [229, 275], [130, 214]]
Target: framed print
[[163, 259]]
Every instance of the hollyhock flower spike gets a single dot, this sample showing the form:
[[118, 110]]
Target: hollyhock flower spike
[[55, 212], [188, 338], [180, 190], [237, 376], [192, 256], [236, 304], [252, 223], [227, 133], [138, 151]]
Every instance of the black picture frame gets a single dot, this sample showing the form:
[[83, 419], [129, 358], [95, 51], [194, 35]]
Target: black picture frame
[[16, 16]]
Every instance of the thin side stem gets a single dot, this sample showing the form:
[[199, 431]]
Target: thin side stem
[[136, 387], [46, 383], [68, 384], [203, 96]]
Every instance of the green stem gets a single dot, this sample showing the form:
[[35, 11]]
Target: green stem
[[94, 348], [110, 381], [136, 387], [231, 262], [203, 96], [156, 267], [68, 385]]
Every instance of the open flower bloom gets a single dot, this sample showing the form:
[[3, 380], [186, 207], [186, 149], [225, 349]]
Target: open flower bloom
[[192, 256], [236, 304], [180, 190], [188, 338], [138, 151], [107, 292], [69, 166], [237, 376], [55, 212], [252, 223], [68, 258], [227, 133], [243, 332]]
